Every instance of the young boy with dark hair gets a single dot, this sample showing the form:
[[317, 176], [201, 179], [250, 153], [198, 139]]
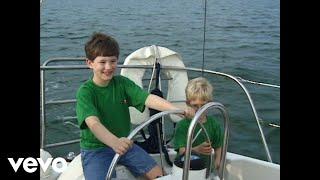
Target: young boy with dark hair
[[103, 114]]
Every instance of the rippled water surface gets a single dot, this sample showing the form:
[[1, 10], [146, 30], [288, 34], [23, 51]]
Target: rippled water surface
[[242, 39]]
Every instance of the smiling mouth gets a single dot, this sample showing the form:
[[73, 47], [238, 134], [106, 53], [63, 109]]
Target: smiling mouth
[[108, 73]]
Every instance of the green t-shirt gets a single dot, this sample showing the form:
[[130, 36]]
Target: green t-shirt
[[213, 130], [111, 105]]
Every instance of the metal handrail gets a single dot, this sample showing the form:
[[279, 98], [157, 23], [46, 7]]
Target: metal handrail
[[191, 129], [250, 101], [64, 101], [209, 141], [62, 143], [43, 109], [235, 79], [135, 131], [50, 60]]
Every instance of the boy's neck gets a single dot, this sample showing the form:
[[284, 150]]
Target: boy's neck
[[100, 83]]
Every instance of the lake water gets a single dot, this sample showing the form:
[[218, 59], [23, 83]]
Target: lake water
[[242, 39]]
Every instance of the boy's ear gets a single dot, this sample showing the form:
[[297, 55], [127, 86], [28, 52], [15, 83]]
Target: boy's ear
[[89, 63]]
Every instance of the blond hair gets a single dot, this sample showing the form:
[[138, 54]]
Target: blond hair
[[199, 88]]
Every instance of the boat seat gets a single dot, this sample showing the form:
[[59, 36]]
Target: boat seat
[[74, 170], [49, 174]]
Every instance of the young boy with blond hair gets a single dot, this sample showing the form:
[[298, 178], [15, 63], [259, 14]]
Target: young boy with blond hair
[[198, 93]]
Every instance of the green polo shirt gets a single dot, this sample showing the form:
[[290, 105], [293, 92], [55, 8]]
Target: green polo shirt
[[111, 105]]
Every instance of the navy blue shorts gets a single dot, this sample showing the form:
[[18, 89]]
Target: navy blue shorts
[[95, 163]]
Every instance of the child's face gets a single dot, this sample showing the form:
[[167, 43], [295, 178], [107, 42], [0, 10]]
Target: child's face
[[103, 68], [196, 104]]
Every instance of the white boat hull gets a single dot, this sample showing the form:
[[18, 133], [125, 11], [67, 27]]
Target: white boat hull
[[238, 167]]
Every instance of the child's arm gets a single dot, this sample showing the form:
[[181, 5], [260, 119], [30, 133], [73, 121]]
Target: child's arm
[[119, 145], [203, 148], [217, 154], [182, 150], [160, 104]]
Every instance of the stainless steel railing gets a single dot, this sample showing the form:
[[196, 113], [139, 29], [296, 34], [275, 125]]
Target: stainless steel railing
[[191, 129], [46, 67], [134, 132]]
